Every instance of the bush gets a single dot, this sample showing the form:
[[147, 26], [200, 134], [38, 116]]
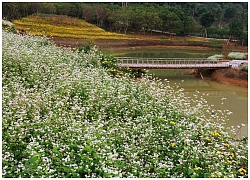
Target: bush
[[215, 58], [62, 117], [237, 56], [244, 68], [8, 26]]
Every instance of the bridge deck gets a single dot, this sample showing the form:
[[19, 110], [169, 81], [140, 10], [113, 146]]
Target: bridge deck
[[170, 63]]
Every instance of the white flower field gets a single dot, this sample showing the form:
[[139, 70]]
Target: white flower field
[[63, 115]]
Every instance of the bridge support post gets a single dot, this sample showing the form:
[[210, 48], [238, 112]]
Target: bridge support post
[[198, 71]]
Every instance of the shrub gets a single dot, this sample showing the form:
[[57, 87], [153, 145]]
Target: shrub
[[237, 55], [8, 26], [244, 68], [63, 117], [215, 58]]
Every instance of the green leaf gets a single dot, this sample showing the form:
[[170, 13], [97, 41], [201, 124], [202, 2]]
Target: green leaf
[[190, 171], [55, 149]]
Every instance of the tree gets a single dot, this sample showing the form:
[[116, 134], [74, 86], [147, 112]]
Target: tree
[[63, 8], [171, 22], [236, 29], [86, 11], [101, 14], [120, 19], [189, 25], [206, 20], [49, 8], [36, 7]]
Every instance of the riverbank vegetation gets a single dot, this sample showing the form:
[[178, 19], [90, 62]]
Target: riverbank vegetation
[[65, 116], [209, 19]]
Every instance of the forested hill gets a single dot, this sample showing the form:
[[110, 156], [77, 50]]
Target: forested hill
[[210, 19]]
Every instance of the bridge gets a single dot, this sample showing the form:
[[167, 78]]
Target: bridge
[[171, 63]]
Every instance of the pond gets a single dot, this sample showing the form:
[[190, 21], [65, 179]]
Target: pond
[[236, 98]]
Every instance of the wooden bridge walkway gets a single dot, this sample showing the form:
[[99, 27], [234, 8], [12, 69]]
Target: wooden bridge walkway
[[171, 63]]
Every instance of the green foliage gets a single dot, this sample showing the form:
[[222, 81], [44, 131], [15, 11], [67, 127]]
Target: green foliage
[[215, 58], [89, 45], [207, 19], [8, 26], [112, 68], [236, 28], [184, 17], [237, 55], [244, 68], [108, 62], [63, 117]]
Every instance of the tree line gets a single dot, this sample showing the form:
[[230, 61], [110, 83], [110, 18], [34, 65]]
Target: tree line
[[209, 19]]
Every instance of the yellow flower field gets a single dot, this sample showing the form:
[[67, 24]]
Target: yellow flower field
[[62, 26]]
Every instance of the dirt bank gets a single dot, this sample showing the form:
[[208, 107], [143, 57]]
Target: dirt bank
[[229, 76]]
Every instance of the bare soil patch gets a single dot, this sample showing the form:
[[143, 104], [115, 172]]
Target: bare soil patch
[[230, 76]]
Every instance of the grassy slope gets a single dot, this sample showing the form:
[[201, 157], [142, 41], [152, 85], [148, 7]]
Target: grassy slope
[[63, 26]]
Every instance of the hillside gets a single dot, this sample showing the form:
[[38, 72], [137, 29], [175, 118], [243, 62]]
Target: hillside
[[64, 27], [64, 116]]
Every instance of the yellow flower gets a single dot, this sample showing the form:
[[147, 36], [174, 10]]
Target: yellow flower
[[173, 144], [228, 145], [216, 134], [208, 139], [242, 171], [198, 168], [172, 122], [229, 162], [232, 154]]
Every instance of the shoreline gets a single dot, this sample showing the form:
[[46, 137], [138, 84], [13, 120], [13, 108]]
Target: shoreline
[[238, 77]]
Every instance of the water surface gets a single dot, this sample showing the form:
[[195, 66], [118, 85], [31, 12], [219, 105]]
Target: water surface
[[236, 98]]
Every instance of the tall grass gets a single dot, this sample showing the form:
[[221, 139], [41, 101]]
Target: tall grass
[[65, 116]]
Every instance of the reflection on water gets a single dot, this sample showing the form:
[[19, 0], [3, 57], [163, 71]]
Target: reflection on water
[[236, 98]]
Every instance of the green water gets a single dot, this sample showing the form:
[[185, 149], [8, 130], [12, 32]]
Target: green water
[[236, 98]]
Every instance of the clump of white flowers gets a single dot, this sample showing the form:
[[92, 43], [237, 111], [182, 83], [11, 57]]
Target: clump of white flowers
[[237, 55], [216, 56], [63, 116]]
